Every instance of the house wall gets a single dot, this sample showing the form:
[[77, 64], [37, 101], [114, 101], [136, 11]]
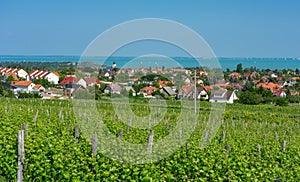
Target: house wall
[[52, 78], [22, 73], [82, 82]]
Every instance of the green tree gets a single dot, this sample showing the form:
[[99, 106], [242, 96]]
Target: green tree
[[9, 79], [130, 93], [267, 93], [281, 102], [239, 68], [249, 98]]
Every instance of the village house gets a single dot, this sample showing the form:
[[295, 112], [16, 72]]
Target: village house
[[7, 75], [70, 89], [38, 88], [188, 92], [235, 75], [128, 88], [268, 86], [113, 88], [92, 82], [18, 71], [52, 77], [168, 92], [279, 93], [23, 86], [82, 82], [53, 93], [70, 79], [223, 96], [147, 91]]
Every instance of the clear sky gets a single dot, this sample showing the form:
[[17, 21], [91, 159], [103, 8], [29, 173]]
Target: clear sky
[[233, 28]]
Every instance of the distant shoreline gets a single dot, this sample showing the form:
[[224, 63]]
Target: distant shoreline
[[187, 62]]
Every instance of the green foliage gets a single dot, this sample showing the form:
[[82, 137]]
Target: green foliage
[[249, 98], [44, 82], [281, 102], [84, 94], [293, 99], [22, 95], [239, 68], [51, 153], [9, 79], [5, 92]]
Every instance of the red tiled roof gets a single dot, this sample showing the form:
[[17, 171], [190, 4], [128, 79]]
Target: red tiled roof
[[37, 86], [222, 85], [235, 74], [92, 80], [278, 92], [13, 75], [22, 83], [269, 85], [187, 88], [56, 73], [149, 90], [69, 79], [208, 88]]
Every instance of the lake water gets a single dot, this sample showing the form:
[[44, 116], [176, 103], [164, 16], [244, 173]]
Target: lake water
[[231, 63]]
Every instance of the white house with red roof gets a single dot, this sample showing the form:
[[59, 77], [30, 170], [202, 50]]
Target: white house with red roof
[[223, 96], [40, 74], [38, 88], [147, 91], [23, 86], [18, 71], [113, 88], [70, 79], [92, 81]]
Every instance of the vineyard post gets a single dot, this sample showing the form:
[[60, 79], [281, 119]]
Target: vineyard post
[[100, 123], [223, 135], [150, 141], [128, 129], [187, 148], [69, 123], [76, 133], [121, 134], [25, 128], [283, 146], [94, 145], [180, 135], [21, 155], [258, 147], [227, 150], [276, 136]]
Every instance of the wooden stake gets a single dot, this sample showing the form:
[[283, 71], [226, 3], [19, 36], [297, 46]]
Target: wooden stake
[[227, 150], [187, 148], [223, 135], [21, 156], [121, 134], [76, 134], [25, 128], [128, 129], [283, 146], [94, 145], [150, 141]]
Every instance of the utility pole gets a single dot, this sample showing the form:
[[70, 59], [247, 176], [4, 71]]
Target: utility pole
[[195, 95]]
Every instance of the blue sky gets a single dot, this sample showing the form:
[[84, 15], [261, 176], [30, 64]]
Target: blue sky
[[233, 28]]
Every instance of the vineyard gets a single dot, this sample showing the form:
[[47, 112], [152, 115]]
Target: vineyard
[[253, 143]]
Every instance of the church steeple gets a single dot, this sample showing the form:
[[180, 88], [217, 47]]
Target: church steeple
[[114, 65]]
